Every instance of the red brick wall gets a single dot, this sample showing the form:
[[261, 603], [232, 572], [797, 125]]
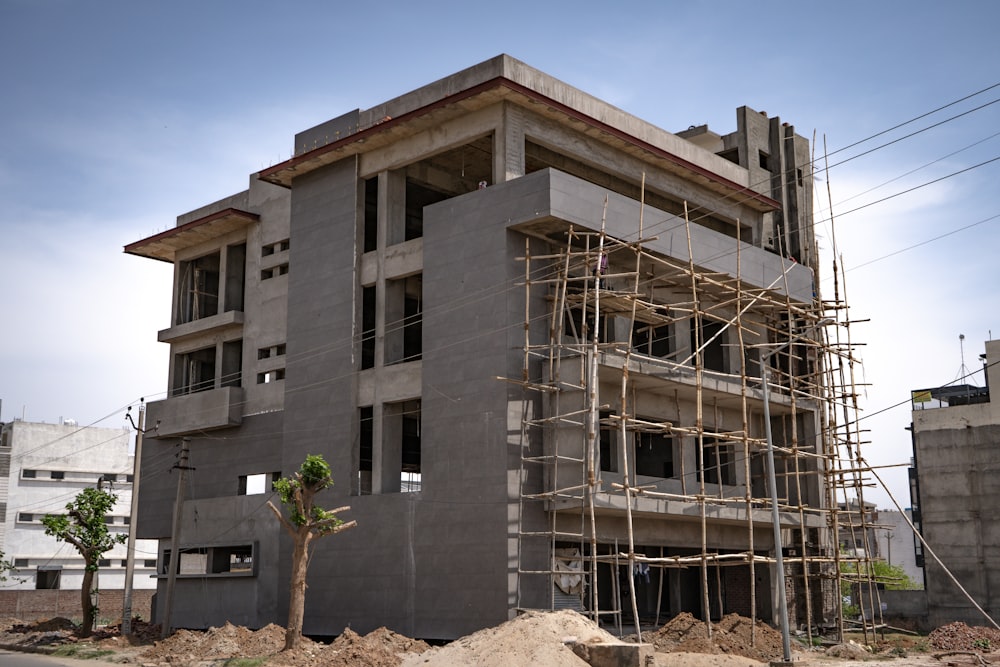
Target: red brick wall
[[33, 605]]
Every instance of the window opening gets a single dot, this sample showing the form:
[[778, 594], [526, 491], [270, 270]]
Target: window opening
[[199, 288], [257, 483], [608, 443], [716, 465], [194, 371], [368, 305], [654, 455], [57, 474], [713, 356], [401, 447], [653, 341], [234, 559], [271, 376], [410, 479], [370, 241], [404, 319], [47, 577], [417, 197], [366, 429], [236, 268], [28, 474]]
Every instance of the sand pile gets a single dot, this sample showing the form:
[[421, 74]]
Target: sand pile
[[534, 638]]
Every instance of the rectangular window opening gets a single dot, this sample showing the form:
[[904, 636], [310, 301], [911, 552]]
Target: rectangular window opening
[[716, 465], [417, 197], [404, 319], [370, 241], [653, 341], [271, 376], [236, 269], [368, 327], [198, 289], [401, 445], [713, 338], [366, 429], [608, 443], [47, 577], [654, 454], [194, 371]]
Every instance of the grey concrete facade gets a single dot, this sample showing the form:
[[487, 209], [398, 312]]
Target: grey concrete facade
[[955, 434], [381, 305]]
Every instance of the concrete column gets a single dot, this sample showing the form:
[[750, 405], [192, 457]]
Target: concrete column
[[390, 448], [378, 435], [508, 145], [392, 206]]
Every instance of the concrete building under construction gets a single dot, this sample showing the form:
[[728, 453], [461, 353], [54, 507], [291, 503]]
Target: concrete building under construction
[[953, 485], [527, 331]]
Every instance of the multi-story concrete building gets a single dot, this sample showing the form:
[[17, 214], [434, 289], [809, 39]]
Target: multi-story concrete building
[[412, 296], [954, 482], [42, 468]]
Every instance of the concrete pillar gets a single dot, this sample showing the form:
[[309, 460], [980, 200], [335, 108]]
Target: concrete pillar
[[390, 448], [392, 207], [508, 145]]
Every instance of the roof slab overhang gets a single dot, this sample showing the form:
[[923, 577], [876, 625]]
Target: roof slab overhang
[[388, 130], [165, 245]]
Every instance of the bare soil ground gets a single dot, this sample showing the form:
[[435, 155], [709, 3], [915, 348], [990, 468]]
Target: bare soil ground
[[536, 638]]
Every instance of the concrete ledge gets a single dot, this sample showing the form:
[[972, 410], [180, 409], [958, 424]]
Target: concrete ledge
[[615, 655]]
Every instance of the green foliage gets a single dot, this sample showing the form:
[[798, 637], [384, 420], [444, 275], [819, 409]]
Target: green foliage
[[244, 662], [83, 525], [313, 476], [82, 652], [982, 644], [891, 576], [6, 567]]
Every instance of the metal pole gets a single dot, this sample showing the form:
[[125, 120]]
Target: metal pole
[[175, 557], [133, 516], [786, 644]]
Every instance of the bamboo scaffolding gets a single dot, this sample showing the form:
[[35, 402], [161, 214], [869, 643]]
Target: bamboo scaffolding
[[593, 283]]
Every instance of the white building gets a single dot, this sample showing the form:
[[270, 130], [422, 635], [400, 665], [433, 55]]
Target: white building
[[42, 468]]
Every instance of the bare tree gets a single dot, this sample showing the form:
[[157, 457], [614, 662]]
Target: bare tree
[[306, 522]]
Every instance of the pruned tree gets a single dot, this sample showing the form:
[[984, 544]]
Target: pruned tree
[[84, 527], [306, 522]]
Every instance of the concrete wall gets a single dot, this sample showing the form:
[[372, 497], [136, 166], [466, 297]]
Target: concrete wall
[[959, 478]]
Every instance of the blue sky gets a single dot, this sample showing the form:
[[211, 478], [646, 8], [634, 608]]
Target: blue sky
[[117, 116]]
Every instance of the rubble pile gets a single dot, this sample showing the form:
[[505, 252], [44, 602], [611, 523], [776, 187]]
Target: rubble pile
[[960, 637]]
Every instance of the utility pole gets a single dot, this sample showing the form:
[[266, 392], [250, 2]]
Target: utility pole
[[133, 516], [175, 558]]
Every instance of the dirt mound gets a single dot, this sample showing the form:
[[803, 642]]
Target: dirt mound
[[534, 638], [229, 641], [732, 635], [57, 624], [379, 648], [958, 636]]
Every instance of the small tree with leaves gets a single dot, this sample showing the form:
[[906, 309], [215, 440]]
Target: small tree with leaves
[[306, 522], [6, 567], [85, 528]]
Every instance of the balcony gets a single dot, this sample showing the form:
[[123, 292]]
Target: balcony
[[231, 319], [201, 411]]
